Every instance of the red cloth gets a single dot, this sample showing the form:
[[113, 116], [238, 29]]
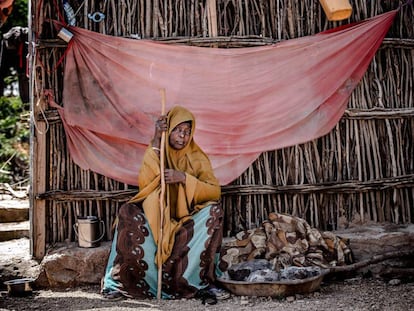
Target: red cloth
[[245, 100]]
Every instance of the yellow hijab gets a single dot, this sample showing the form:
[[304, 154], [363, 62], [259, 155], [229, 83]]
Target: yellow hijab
[[201, 186]]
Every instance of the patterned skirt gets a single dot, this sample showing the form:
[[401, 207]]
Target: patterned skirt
[[193, 264]]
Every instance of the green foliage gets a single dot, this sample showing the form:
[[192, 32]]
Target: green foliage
[[10, 79], [14, 140], [14, 130]]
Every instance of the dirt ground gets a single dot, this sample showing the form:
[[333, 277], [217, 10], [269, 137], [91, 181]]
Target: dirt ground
[[351, 293], [356, 293]]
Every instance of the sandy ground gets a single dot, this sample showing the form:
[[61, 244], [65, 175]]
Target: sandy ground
[[351, 294], [355, 293]]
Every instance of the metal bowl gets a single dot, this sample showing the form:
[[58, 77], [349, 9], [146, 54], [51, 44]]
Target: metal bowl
[[19, 287], [276, 288]]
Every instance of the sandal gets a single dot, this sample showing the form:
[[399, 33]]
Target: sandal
[[113, 296], [206, 297], [219, 293]]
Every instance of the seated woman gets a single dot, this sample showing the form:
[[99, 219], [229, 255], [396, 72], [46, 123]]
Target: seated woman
[[192, 228]]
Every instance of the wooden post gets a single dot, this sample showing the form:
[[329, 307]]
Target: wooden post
[[38, 177], [38, 182], [212, 18]]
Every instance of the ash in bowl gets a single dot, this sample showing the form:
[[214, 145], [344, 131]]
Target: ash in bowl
[[261, 270]]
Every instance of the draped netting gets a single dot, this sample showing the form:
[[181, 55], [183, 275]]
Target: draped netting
[[245, 100]]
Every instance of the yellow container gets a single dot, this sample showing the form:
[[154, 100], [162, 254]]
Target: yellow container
[[336, 10]]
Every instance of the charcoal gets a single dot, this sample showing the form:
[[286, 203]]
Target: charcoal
[[264, 276], [239, 274], [260, 270], [241, 271], [298, 273]]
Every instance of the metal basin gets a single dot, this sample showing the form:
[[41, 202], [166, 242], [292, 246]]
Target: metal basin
[[276, 288], [19, 287]]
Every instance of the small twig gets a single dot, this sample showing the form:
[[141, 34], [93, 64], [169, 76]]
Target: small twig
[[8, 160]]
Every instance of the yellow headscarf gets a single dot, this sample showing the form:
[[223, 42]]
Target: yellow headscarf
[[201, 186]]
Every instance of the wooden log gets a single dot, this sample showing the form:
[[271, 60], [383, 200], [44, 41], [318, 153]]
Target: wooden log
[[374, 259]]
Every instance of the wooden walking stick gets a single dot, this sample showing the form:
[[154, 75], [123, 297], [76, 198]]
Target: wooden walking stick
[[162, 198]]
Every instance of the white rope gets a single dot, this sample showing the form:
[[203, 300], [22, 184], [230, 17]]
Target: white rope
[[36, 88]]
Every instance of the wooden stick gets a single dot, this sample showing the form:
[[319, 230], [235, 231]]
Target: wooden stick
[[162, 195], [374, 259]]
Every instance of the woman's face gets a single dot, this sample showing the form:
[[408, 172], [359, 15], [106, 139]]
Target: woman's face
[[180, 135]]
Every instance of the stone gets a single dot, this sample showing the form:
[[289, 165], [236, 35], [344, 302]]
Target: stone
[[394, 282], [71, 266], [290, 298], [368, 240]]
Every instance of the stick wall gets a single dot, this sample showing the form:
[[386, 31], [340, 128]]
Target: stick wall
[[362, 171]]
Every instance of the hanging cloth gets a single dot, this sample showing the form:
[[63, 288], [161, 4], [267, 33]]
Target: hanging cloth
[[246, 100]]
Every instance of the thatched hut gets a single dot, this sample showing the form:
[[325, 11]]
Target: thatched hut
[[362, 171]]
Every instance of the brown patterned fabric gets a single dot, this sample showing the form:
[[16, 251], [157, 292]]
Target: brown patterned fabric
[[197, 246], [130, 253], [287, 241]]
